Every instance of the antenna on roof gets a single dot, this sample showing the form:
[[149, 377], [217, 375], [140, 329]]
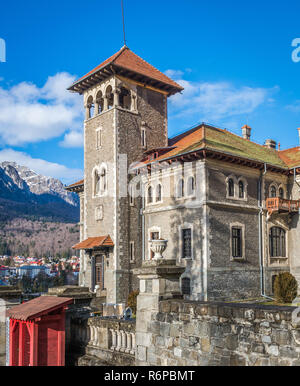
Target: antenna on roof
[[123, 22]]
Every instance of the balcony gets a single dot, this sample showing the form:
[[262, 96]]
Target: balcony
[[279, 205]]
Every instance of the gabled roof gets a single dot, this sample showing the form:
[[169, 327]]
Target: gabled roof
[[95, 242], [209, 138], [127, 64], [42, 305], [291, 157], [76, 187]]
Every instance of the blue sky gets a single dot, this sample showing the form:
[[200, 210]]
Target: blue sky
[[234, 59]]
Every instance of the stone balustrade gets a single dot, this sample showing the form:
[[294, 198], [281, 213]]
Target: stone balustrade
[[105, 338]]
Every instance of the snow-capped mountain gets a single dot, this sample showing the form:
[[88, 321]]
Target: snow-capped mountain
[[24, 193], [25, 178]]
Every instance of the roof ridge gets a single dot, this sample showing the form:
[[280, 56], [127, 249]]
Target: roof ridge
[[154, 68]]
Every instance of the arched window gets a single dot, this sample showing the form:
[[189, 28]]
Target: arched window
[[100, 102], [150, 195], [103, 181], [158, 193], [96, 183], [125, 98], [180, 188], [230, 187], [186, 286], [273, 192], [277, 242], [241, 189], [90, 106], [110, 97], [281, 193], [191, 186]]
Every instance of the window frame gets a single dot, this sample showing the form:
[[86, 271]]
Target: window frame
[[278, 239], [241, 228]]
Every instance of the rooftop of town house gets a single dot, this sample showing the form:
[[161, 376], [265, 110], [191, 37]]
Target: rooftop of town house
[[95, 242], [38, 307], [210, 138], [126, 63]]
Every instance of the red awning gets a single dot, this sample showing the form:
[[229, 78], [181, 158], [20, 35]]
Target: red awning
[[95, 242], [37, 307]]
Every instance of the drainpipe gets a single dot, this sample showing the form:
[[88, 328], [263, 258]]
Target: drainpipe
[[143, 223], [260, 235]]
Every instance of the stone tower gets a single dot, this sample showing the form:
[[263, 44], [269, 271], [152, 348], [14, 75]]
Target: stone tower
[[125, 100]]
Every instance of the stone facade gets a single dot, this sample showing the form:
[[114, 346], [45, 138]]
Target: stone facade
[[185, 333]]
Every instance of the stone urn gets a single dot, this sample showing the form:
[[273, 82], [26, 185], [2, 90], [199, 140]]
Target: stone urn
[[158, 247]]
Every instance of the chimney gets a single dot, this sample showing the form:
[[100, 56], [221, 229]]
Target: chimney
[[270, 144], [299, 132], [246, 130]]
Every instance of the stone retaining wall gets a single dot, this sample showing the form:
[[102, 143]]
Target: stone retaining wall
[[219, 334]]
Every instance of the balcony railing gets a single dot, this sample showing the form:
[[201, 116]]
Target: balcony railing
[[281, 205]]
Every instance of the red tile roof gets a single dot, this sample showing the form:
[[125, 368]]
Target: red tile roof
[[81, 182], [95, 242], [42, 305], [128, 60], [291, 157]]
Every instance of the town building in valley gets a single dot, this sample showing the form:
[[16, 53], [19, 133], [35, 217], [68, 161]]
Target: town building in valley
[[224, 207]]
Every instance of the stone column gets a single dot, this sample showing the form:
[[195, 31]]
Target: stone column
[[113, 339], [133, 102], [105, 103], [116, 97], [96, 110], [159, 280], [87, 112]]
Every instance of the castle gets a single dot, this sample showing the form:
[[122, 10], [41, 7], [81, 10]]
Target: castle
[[226, 208]]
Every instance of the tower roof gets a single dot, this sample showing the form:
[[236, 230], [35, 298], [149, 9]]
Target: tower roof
[[127, 64]]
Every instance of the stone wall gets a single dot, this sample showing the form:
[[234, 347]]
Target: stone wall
[[219, 334]]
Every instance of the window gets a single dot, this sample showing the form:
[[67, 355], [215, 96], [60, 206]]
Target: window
[[100, 102], [131, 194], [99, 271], [277, 242], [273, 192], [241, 190], [99, 213], [98, 139], [186, 243], [90, 107], [103, 181], [281, 193], [96, 183], [131, 251], [191, 186], [180, 188], [230, 187], [236, 239], [125, 98], [143, 138], [110, 97], [186, 286], [150, 195], [158, 193]]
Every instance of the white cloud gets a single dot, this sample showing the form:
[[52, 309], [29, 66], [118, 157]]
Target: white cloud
[[295, 107], [31, 114], [40, 166], [212, 101], [72, 139]]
